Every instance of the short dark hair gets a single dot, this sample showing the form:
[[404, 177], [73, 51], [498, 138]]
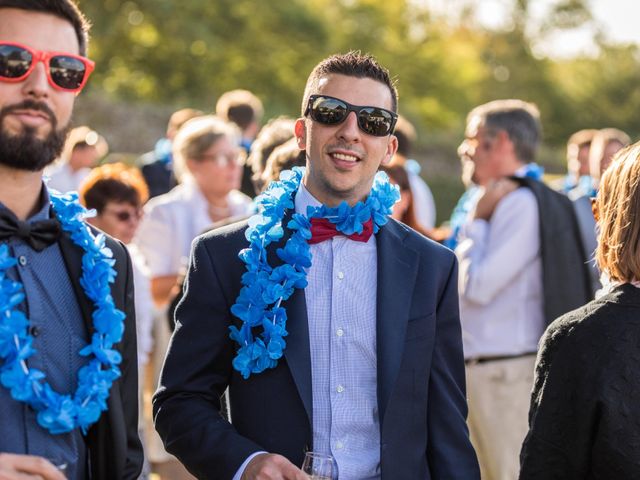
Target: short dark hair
[[351, 64], [520, 119], [406, 135], [65, 9], [113, 182], [240, 107]]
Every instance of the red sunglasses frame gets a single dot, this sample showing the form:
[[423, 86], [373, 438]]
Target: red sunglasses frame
[[38, 56]]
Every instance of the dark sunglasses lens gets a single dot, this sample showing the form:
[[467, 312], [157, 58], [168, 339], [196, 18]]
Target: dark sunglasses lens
[[375, 121], [123, 216], [328, 110], [14, 61], [67, 72]]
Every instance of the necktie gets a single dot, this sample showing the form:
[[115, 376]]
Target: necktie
[[322, 229], [38, 235]]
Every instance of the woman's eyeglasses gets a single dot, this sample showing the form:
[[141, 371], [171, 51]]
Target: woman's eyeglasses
[[375, 121], [65, 71], [125, 215]]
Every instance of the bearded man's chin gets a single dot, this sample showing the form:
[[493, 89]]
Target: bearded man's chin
[[25, 151]]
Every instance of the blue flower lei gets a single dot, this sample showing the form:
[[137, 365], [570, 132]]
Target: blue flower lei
[[266, 287], [59, 413]]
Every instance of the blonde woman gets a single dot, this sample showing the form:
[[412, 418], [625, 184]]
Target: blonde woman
[[584, 420]]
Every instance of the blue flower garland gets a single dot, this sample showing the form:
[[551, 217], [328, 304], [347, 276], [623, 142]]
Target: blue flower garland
[[266, 287], [59, 413]]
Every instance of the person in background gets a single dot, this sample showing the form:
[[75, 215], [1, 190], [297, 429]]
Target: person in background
[[585, 404], [157, 165], [117, 192], [244, 109], [68, 396], [605, 143], [424, 205], [521, 265], [207, 162], [403, 210], [82, 151], [283, 157], [578, 147], [276, 132]]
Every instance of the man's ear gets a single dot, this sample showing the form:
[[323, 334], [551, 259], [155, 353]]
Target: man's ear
[[392, 147], [300, 131]]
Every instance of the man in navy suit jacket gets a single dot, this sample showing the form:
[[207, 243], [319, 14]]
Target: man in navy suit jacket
[[373, 371]]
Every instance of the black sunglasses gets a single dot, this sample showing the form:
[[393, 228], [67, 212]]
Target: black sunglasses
[[125, 215], [375, 121]]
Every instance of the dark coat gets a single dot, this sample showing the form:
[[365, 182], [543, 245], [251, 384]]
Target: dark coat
[[421, 394], [584, 421], [115, 451]]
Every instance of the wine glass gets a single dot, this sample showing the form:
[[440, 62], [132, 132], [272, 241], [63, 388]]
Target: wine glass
[[318, 466]]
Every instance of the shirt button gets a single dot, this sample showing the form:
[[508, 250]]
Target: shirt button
[[340, 389], [22, 260], [340, 275], [34, 331], [339, 445], [340, 332]]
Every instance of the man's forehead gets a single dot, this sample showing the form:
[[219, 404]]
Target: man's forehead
[[38, 30], [355, 90]]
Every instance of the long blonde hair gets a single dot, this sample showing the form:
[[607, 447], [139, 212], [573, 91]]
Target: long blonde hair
[[617, 209]]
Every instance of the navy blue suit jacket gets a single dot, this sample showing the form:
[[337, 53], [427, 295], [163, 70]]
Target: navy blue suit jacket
[[421, 393]]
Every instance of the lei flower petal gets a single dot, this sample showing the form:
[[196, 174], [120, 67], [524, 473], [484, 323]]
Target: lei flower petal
[[265, 287], [60, 413]]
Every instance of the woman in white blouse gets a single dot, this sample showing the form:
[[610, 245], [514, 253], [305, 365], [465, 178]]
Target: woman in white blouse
[[206, 156]]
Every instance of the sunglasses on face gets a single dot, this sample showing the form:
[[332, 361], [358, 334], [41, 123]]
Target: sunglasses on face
[[375, 121], [221, 160], [125, 215], [65, 71]]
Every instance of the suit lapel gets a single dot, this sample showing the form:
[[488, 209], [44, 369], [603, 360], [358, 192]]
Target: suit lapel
[[397, 269], [297, 353], [72, 255]]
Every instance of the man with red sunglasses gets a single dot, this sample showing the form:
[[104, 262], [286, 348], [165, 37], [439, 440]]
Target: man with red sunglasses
[[334, 327], [68, 374]]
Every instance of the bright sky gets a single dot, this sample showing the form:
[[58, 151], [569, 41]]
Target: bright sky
[[617, 19]]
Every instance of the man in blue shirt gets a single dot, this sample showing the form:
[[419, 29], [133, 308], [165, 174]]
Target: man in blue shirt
[[68, 374], [370, 370]]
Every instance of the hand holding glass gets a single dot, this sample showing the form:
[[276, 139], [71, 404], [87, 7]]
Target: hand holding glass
[[318, 466]]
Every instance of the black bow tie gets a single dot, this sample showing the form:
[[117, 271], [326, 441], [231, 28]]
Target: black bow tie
[[38, 235]]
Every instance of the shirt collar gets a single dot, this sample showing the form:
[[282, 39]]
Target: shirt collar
[[304, 199]]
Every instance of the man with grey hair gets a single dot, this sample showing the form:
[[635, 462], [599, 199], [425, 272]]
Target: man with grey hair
[[506, 284]]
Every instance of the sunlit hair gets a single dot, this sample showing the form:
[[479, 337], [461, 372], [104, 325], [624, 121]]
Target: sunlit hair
[[617, 209], [65, 9], [599, 143], [276, 132], [351, 64], [113, 182], [82, 137], [283, 157], [197, 136], [521, 121], [240, 107]]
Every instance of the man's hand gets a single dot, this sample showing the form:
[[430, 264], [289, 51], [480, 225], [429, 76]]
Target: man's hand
[[493, 193], [27, 467], [268, 466]]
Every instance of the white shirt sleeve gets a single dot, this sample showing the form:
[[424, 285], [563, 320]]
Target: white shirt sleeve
[[242, 468], [423, 202], [492, 254], [157, 240]]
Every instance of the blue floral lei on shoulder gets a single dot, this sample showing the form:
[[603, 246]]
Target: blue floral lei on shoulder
[[62, 413], [265, 287]]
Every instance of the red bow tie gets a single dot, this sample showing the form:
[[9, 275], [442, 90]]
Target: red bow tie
[[322, 229]]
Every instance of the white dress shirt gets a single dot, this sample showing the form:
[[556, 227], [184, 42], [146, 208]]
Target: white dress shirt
[[62, 178], [500, 282], [173, 220]]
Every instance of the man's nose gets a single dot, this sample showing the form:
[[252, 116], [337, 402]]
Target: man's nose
[[36, 84], [349, 130]]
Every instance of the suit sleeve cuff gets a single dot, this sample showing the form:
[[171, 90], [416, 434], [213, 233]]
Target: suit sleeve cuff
[[242, 468]]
